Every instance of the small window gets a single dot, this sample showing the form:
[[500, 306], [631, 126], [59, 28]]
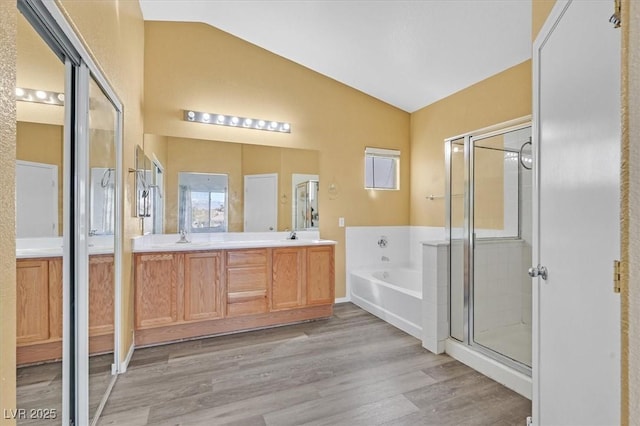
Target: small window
[[381, 168]]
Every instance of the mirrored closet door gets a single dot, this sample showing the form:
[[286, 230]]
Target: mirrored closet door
[[68, 251]]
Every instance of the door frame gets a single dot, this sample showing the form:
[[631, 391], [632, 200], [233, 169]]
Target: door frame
[[552, 21]]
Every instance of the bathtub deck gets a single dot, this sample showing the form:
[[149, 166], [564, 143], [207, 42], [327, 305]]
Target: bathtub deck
[[352, 369]]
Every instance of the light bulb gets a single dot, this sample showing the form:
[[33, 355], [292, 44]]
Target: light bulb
[[191, 115], [273, 125], [247, 122], [61, 97], [206, 117], [234, 121], [286, 127], [41, 95], [221, 118], [19, 92], [261, 124]]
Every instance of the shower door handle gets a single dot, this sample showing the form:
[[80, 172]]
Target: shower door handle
[[538, 271]]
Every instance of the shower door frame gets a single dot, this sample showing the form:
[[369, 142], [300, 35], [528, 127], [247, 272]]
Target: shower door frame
[[468, 233]]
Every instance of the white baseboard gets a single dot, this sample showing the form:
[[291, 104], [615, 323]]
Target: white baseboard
[[125, 364], [343, 299]]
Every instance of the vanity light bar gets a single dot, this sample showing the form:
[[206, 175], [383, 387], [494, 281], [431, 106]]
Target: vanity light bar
[[39, 96], [235, 121]]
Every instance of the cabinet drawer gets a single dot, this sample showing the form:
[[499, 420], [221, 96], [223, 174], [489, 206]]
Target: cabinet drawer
[[247, 303], [246, 257], [248, 278]]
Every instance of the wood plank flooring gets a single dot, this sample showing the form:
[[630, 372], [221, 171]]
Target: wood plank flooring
[[352, 369], [40, 387]]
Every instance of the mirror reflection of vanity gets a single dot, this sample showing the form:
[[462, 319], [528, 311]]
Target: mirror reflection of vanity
[[169, 160]]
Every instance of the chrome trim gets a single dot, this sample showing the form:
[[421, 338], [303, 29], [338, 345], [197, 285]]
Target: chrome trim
[[81, 186], [469, 243], [470, 140], [67, 207], [447, 221]]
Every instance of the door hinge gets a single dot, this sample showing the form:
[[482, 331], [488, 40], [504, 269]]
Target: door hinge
[[616, 19], [617, 275]]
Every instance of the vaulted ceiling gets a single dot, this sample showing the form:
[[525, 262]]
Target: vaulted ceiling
[[406, 53]]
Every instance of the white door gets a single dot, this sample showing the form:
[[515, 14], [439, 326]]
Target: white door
[[261, 202], [576, 366], [36, 199]]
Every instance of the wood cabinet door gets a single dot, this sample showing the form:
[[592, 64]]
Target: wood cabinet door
[[158, 278], [55, 298], [203, 290], [101, 294], [288, 277], [32, 297], [320, 275]]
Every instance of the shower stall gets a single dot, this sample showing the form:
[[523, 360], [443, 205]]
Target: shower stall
[[488, 219]]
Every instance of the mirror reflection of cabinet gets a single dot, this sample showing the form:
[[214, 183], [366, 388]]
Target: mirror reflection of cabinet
[[306, 199]]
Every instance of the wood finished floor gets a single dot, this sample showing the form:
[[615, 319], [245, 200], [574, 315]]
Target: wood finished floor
[[352, 369], [40, 387]]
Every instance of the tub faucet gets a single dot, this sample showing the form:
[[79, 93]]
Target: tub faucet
[[384, 259], [183, 237]]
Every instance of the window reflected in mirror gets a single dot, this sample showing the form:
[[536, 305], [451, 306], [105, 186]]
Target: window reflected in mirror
[[203, 202]]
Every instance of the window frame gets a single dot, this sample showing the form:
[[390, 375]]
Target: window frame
[[382, 153]]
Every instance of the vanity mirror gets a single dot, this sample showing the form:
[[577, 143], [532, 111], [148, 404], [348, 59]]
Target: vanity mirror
[[229, 164]]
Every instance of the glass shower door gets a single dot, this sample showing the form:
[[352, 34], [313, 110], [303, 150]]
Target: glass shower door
[[500, 220]]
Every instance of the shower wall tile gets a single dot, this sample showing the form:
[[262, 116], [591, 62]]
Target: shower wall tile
[[499, 284], [404, 247], [362, 248]]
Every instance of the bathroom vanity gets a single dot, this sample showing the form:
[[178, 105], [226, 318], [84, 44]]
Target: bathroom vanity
[[225, 285], [39, 303]]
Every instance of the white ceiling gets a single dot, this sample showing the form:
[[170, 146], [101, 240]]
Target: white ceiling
[[406, 53]]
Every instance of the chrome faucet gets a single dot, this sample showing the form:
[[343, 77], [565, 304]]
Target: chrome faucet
[[292, 236], [183, 237]]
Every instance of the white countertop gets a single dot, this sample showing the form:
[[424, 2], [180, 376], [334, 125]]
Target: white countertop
[[226, 241], [32, 248]]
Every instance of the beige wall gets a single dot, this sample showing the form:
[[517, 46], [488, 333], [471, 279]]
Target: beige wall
[[502, 97], [189, 65], [155, 147], [540, 10], [8, 30], [114, 33]]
